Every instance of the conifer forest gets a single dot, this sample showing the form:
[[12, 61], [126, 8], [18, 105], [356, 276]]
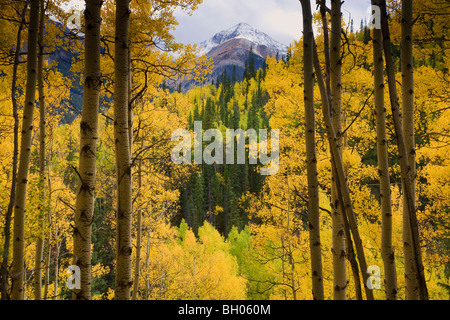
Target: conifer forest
[[132, 167]]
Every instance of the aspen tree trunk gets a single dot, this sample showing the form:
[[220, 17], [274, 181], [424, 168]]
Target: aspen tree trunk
[[348, 239], [137, 264], [84, 210], [339, 251], [123, 154], [411, 284], [12, 196], [48, 257], [283, 272], [311, 159], [42, 159], [326, 45], [147, 264], [406, 171], [130, 104], [290, 253], [50, 231], [57, 246], [340, 175], [18, 265], [387, 250]]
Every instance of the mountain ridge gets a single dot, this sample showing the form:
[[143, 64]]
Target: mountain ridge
[[244, 31], [230, 49]]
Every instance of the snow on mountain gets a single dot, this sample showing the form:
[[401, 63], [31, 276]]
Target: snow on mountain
[[242, 31]]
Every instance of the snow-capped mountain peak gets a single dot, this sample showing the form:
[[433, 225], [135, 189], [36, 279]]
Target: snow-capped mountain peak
[[242, 31]]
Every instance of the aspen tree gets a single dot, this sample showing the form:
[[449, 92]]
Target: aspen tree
[[12, 196], [387, 251], [84, 210], [311, 159], [411, 284], [340, 175], [406, 171], [333, 84], [50, 229], [137, 264], [123, 154], [18, 265], [339, 252], [42, 158]]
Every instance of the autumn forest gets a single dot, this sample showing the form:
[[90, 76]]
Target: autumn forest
[[96, 204]]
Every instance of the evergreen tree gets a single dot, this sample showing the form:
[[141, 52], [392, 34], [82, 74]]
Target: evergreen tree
[[209, 115], [234, 76], [250, 68], [197, 202]]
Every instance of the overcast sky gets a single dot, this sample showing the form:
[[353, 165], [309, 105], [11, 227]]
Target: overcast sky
[[280, 19]]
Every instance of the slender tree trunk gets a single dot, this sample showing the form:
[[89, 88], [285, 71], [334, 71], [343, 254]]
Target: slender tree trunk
[[130, 104], [48, 257], [18, 266], [351, 255], [406, 170], [411, 283], [339, 251], [50, 231], [123, 154], [289, 231], [42, 158], [311, 159], [283, 272], [292, 263], [57, 246], [137, 264], [147, 265], [326, 47], [387, 250], [12, 197], [340, 175], [84, 210]]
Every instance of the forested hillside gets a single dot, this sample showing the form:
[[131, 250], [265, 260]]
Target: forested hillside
[[357, 209]]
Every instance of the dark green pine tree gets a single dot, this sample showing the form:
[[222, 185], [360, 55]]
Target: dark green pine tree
[[197, 202], [197, 115], [223, 109], [264, 69], [191, 121], [250, 69], [245, 75], [209, 115], [234, 76], [251, 64], [211, 196], [236, 118], [288, 56]]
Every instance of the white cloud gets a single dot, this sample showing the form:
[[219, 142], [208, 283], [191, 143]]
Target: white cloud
[[284, 25], [281, 19]]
